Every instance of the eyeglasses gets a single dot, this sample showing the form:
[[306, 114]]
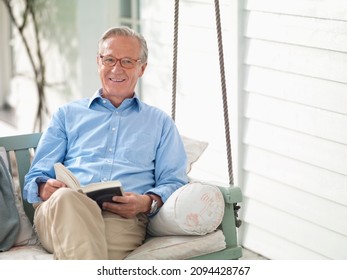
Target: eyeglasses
[[125, 62]]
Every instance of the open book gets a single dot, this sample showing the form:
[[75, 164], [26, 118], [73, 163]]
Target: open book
[[100, 192]]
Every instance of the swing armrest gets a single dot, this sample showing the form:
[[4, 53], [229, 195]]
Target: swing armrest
[[231, 194]]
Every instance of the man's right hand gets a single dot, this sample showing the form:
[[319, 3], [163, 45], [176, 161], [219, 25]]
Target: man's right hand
[[48, 188]]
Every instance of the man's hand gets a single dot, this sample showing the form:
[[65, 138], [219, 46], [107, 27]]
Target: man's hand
[[129, 205], [48, 188]]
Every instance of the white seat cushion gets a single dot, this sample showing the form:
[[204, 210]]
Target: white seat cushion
[[29, 252], [179, 247], [155, 248]]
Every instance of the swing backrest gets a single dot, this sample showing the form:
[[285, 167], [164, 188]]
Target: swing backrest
[[19, 150]]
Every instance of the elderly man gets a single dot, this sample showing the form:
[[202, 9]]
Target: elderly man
[[111, 136]]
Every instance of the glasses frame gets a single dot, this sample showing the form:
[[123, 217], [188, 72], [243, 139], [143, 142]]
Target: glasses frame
[[120, 61]]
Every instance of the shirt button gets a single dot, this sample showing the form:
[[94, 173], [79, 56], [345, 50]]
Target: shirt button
[[110, 149], [113, 129]]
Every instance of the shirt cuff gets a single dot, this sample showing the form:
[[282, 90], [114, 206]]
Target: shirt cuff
[[32, 195]]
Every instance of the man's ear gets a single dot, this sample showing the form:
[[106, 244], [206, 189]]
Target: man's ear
[[143, 68]]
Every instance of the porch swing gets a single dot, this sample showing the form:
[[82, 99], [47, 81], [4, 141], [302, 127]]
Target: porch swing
[[175, 232]]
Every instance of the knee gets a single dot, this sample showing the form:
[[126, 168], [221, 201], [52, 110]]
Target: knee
[[71, 198], [64, 195]]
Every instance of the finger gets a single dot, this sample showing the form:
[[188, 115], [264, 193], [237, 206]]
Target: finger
[[119, 209], [112, 207], [55, 183], [120, 199]]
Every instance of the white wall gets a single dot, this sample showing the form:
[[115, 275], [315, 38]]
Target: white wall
[[295, 136]]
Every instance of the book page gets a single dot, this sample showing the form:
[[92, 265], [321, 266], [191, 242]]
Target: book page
[[66, 176]]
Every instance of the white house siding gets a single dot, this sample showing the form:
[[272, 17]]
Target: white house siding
[[295, 128]]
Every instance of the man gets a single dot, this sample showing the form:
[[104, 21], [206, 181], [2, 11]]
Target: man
[[111, 136]]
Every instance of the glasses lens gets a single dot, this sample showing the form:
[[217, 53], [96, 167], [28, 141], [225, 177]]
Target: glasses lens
[[127, 62], [108, 61]]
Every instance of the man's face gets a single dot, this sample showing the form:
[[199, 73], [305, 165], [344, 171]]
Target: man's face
[[119, 83]]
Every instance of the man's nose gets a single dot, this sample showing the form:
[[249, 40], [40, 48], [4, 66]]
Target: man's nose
[[117, 66]]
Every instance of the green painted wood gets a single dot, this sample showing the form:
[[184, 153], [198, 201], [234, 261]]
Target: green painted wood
[[21, 145]]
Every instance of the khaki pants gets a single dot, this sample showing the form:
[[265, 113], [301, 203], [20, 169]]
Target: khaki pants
[[72, 226]]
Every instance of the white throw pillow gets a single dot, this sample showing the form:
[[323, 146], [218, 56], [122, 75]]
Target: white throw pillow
[[194, 209], [26, 234], [194, 150]]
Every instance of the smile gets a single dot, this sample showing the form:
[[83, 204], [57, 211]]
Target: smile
[[116, 80]]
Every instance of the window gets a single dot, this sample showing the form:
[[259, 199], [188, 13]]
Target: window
[[130, 13]]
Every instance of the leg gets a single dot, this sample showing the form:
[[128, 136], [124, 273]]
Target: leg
[[70, 225], [124, 235]]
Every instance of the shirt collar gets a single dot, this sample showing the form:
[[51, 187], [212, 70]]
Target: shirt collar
[[97, 96]]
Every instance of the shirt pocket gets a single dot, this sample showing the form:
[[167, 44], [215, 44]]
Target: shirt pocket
[[140, 149]]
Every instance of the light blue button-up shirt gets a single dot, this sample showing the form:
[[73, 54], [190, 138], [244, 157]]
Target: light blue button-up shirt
[[137, 144]]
